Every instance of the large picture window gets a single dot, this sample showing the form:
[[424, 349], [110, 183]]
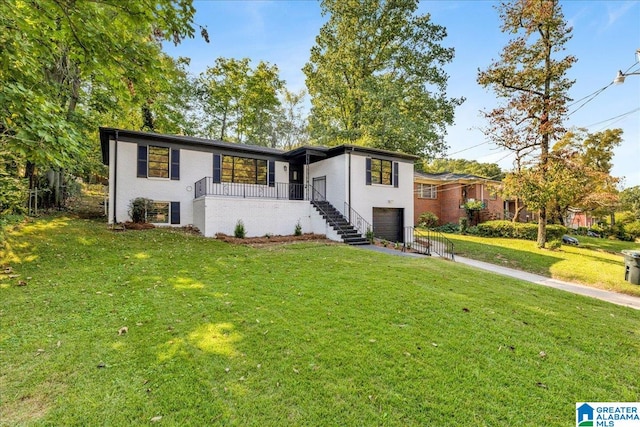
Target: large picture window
[[244, 170], [427, 191]]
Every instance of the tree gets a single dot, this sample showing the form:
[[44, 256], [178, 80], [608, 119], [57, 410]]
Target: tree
[[240, 103], [67, 64], [587, 158], [473, 167], [291, 123], [630, 200], [375, 77], [532, 81]]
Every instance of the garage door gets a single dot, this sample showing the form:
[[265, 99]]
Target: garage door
[[387, 224]]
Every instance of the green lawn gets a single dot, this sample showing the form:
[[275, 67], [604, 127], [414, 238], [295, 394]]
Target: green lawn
[[302, 334], [595, 262]]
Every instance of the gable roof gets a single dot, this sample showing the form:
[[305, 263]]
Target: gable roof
[[315, 152]]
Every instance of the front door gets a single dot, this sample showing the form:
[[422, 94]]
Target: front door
[[296, 189], [319, 189]]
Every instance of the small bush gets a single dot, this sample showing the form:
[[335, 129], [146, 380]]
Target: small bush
[[464, 224], [428, 220], [448, 228], [239, 231], [554, 245], [518, 230], [298, 230], [633, 229], [369, 235], [138, 209]]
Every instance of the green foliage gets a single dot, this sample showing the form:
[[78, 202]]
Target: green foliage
[[463, 223], [138, 209], [630, 200], [554, 244], [298, 230], [240, 103], [428, 220], [518, 230], [462, 166], [473, 205], [375, 77], [239, 230], [70, 65], [448, 228], [633, 229], [12, 193], [369, 235]]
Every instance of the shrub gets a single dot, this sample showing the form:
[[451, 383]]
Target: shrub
[[464, 224], [633, 229], [428, 219], [138, 209], [239, 231], [518, 230], [369, 235], [298, 229], [554, 244], [448, 228]]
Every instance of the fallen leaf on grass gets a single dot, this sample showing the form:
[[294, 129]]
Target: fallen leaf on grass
[[123, 330], [22, 283], [541, 385], [156, 419], [542, 354]]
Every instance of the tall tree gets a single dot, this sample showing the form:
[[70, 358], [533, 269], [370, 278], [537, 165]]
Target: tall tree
[[65, 63], [240, 102], [291, 122], [530, 76], [375, 77]]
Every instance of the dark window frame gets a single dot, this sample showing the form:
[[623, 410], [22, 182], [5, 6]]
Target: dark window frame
[[234, 169]]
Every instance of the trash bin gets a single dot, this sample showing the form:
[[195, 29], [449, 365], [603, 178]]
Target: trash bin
[[632, 266]]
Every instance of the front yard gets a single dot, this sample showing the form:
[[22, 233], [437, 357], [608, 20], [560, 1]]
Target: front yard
[[298, 334]]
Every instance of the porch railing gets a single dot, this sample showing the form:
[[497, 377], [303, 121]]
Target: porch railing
[[279, 190], [356, 220], [428, 241]]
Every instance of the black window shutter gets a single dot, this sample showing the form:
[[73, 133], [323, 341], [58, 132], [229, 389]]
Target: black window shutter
[[142, 161], [395, 174], [175, 165], [217, 171], [272, 173], [368, 171], [175, 212]]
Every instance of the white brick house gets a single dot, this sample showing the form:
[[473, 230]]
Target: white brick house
[[212, 184]]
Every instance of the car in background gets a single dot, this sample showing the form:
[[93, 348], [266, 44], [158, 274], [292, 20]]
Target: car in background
[[568, 240], [592, 234]]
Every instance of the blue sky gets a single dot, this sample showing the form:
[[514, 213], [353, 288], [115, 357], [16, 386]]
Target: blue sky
[[606, 35]]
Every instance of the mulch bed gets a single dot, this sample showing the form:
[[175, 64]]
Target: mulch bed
[[271, 240]]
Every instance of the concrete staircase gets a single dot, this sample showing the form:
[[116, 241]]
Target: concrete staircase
[[339, 223]]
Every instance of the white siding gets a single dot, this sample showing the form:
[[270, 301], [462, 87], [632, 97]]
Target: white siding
[[194, 165]]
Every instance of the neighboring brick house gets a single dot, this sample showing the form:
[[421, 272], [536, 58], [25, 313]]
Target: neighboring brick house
[[445, 194]]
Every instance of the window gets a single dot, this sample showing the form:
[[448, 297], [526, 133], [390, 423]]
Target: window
[[164, 213], [244, 170], [383, 172], [427, 191], [158, 162], [159, 213]]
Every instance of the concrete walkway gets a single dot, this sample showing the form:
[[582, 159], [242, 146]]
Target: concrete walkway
[[612, 297]]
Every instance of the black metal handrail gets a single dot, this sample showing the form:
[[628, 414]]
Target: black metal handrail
[[355, 219], [316, 196], [426, 241], [279, 190]]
